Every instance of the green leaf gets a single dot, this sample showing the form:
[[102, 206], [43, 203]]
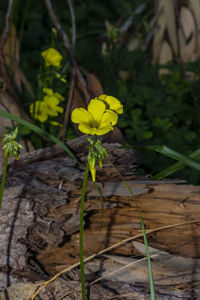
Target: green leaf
[[175, 155], [38, 130], [176, 167]]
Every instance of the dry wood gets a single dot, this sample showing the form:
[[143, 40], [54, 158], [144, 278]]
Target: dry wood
[[40, 224]]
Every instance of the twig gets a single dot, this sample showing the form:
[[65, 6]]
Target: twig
[[73, 24], [7, 24], [68, 106], [70, 50]]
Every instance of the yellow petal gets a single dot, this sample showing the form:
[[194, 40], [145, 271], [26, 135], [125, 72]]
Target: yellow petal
[[48, 91], [38, 111], [59, 109], [109, 118], [50, 100], [81, 115], [54, 123], [86, 128], [93, 173], [52, 57], [103, 130], [52, 108], [59, 96], [112, 103], [96, 108], [102, 97]]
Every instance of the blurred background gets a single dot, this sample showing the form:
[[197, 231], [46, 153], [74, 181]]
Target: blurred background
[[144, 53]]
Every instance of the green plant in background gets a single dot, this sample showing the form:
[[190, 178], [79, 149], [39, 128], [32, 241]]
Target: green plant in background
[[11, 147], [158, 110]]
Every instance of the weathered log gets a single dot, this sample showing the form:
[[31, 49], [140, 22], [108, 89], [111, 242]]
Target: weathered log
[[39, 229]]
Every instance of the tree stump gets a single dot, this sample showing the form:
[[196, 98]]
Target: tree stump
[[39, 228]]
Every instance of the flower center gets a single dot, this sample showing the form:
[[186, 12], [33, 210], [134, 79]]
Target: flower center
[[94, 124]]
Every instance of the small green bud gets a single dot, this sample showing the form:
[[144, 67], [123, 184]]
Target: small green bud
[[10, 145]]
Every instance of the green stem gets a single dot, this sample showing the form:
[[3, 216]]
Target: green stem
[[151, 280], [81, 233], [24, 17], [3, 178]]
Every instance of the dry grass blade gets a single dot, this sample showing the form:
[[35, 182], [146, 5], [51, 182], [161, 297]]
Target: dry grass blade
[[121, 269]]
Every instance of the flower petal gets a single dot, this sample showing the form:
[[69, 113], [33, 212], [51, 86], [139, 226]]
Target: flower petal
[[109, 118], [112, 103], [103, 130], [38, 111], [52, 57], [59, 109], [50, 100], [81, 115], [59, 96], [85, 128], [52, 107], [93, 173], [96, 108], [47, 91]]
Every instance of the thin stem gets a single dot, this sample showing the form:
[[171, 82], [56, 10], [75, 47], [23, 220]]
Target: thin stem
[[24, 17], [58, 27], [81, 233], [151, 280], [68, 107], [73, 24], [3, 177], [7, 25]]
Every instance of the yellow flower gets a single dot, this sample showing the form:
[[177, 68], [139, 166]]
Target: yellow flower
[[52, 57], [47, 91], [38, 111], [96, 120], [54, 123], [111, 103], [50, 92], [52, 108], [59, 96], [61, 77]]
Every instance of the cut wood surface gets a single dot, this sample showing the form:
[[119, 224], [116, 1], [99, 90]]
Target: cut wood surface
[[39, 227]]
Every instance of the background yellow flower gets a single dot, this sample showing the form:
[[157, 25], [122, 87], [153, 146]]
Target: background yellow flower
[[50, 92], [52, 57], [51, 104], [38, 111]]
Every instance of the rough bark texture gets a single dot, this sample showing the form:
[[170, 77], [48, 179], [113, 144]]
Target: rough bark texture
[[39, 228]]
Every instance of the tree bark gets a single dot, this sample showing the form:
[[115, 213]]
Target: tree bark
[[39, 229]]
